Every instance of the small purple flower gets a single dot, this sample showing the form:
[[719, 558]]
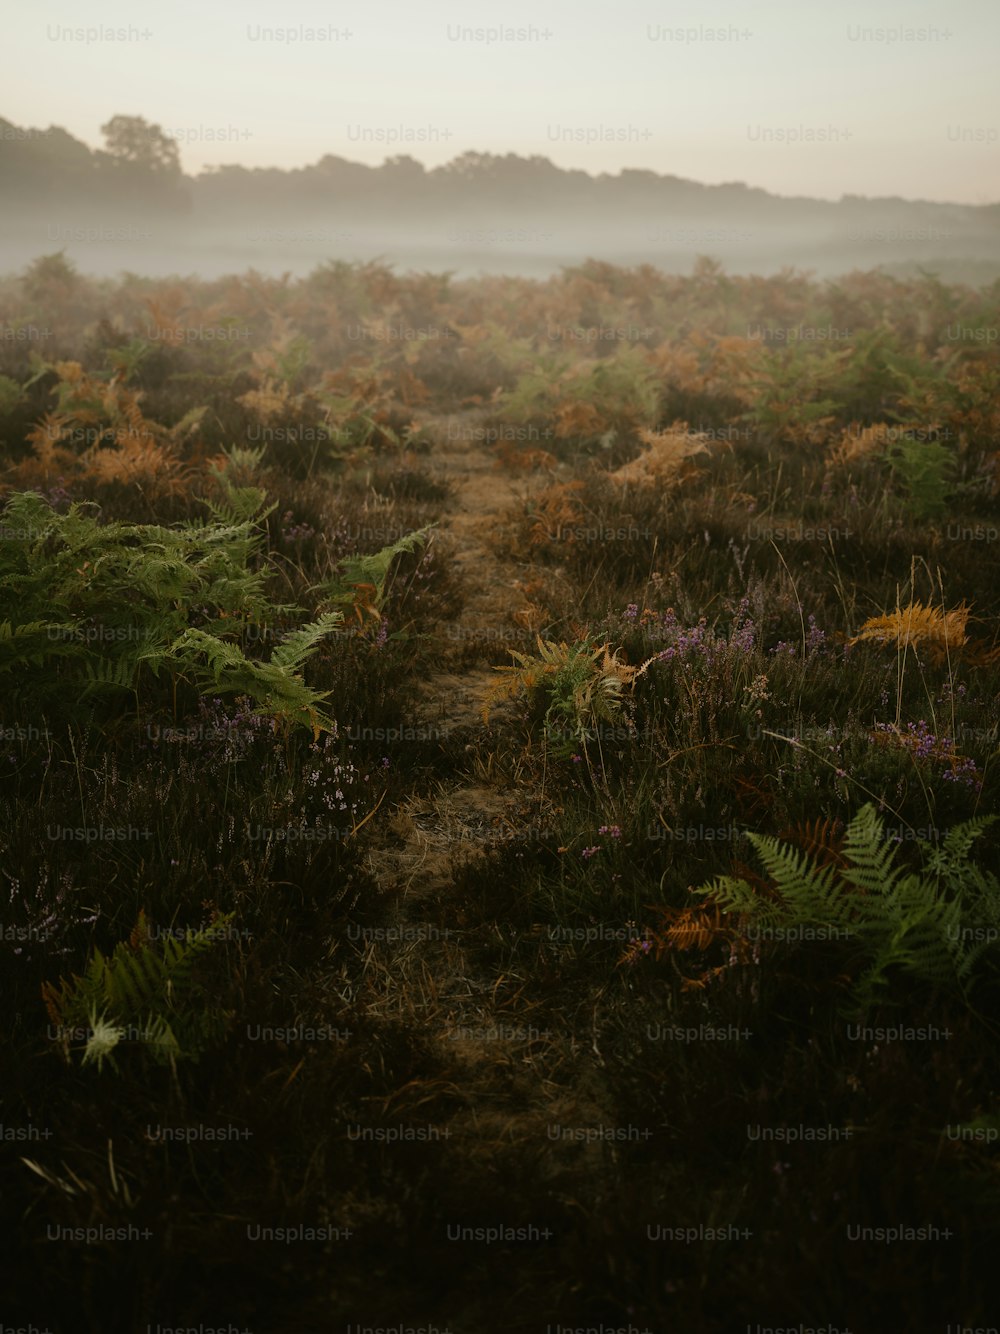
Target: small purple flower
[[743, 637], [964, 771], [816, 638]]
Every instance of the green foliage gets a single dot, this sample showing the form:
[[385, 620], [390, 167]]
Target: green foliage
[[51, 277], [141, 993], [933, 925], [791, 393], [593, 398], [582, 685], [218, 665], [97, 609], [126, 361], [926, 468], [352, 424], [624, 384], [361, 581], [349, 428], [293, 362], [534, 393], [242, 465], [244, 502], [11, 394]]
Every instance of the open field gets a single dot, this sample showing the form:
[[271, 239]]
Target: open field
[[499, 781]]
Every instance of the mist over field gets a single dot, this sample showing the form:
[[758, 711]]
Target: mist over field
[[763, 138], [132, 208]]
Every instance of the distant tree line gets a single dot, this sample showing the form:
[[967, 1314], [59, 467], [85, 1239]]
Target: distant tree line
[[140, 166]]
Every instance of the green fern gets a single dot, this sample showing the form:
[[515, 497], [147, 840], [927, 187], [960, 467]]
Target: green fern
[[104, 1038], [368, 574], [219, 665], [107, 676], [100, 611], [297, 646], [32, 642], [142, 994], [926, 468], [11, 394], [582, 684], [243, 504], [934, 925]]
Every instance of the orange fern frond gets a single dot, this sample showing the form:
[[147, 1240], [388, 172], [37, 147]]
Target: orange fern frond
[[522, 460], [940, 631], [664, 460], [557, 513], [821, 840], [697, 927], [574, 418]]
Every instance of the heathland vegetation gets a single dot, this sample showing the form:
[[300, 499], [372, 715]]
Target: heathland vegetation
[[498, 799]]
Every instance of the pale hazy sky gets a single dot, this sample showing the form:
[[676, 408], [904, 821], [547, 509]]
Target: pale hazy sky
[[797, 97]]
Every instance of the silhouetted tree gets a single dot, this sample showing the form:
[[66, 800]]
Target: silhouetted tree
[[132, 141]]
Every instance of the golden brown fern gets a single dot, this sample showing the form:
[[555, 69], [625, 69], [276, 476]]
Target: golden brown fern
[[557, 514], [269, 401], [941, 632], [665, 459], [698, 927], [516, 459], [594, 675]]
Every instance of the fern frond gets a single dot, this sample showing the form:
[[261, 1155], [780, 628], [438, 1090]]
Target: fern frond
[[245, 505], [139, 989], [870, 855], [806, 889], [935, 925], [34, 642], [370, 573], [108, 675], [820, 838], [104, 1038], [295, 648], [941, 631]]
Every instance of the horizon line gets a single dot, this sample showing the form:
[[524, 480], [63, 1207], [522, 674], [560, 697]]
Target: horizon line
[[215, 168]]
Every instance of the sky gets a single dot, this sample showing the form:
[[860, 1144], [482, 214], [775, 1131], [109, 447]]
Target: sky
[[866, 97]]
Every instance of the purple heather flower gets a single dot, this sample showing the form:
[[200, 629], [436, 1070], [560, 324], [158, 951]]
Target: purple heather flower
[[816, 638], [742, 637]]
